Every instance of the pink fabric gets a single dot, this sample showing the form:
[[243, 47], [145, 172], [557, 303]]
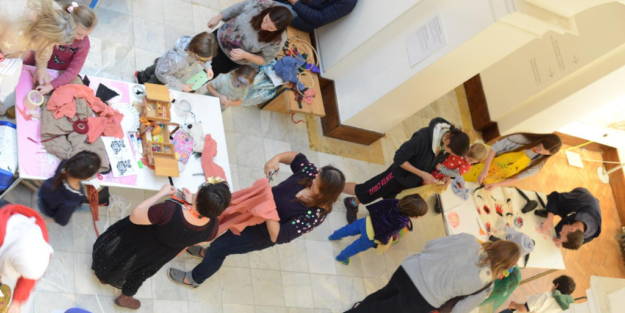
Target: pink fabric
[[250, 206], [107, 123], [70, 60], [210, 151]]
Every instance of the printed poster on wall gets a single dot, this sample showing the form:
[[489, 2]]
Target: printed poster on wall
[[426, 40]]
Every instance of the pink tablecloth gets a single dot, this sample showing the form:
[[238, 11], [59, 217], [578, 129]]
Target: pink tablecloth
[[34, 161]]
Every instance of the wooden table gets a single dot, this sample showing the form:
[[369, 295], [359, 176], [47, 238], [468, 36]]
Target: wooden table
[[285, 101], [35, 163]]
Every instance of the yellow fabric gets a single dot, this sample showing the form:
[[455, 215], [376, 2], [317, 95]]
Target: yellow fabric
[[424, 191], [504, 166], [6, 297], [371, 234]]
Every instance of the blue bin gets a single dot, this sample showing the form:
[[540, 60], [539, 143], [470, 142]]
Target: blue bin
[[6, 174]]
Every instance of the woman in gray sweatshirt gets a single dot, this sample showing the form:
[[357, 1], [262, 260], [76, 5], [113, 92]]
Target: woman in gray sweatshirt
[[449, 267], [513, 158]]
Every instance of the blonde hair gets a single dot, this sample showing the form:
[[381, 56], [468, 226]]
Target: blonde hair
[[83, 15], [52, 26], [501, 255], [478, 152]]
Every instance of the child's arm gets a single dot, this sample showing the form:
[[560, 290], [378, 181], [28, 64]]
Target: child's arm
[[448, 172], [75, 65], [212, 90], [139, 215], [234, 103]]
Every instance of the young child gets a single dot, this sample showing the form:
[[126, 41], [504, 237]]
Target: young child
[[233, 87], [69, 58], [556, 301], [62, 194], [455, 166], [180, 61], [382, 227]]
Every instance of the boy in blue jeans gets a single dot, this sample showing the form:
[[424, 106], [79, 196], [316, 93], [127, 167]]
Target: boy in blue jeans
[[387, 218]]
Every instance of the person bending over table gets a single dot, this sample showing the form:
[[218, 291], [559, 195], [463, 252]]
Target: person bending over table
[[303, 202], [513, 158], [412, 165], [253, 33], [312, 14], [581, 217]]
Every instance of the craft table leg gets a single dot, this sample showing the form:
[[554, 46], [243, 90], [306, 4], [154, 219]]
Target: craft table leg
[[537, 276], [15, 183]]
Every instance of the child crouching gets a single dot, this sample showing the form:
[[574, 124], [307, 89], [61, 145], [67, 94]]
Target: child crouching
[[382, 227], [233, 87]]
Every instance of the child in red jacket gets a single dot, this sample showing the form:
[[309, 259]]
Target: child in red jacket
[[24, 250], [455, 165]]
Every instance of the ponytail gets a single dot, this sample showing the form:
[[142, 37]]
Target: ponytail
[[82, 15], [82, 166]]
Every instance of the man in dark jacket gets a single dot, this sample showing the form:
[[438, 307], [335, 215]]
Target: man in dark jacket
[[581, 217], [412, 165], [311, 14]]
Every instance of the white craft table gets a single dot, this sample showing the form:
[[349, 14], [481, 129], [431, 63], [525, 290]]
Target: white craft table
[[36, 164], [546, 254]]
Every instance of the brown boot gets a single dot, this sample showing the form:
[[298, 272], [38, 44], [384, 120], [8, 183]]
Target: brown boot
[[128, 302], [11, 112]]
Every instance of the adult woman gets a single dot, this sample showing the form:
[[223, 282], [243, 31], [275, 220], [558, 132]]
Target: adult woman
[[24, 250], [516, 157], [136, 247], [449, 267], [253, 33], [412, 165], [34, 25], [303, 201]]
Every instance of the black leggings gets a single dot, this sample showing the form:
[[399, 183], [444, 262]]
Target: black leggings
[[399, 296], [221, 63]]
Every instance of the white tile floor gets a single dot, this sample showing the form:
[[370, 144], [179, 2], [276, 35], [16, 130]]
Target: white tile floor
[[299, 277]]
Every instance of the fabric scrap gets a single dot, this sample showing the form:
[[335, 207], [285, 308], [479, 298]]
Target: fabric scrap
[[210, 151], [249, 206]]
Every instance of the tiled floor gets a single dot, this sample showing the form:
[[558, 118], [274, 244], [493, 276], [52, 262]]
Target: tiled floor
[[299, 277]]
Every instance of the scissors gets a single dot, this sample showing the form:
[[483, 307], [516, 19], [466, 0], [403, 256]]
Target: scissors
[[271, 173]]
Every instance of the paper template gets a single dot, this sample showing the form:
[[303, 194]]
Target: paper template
[[426, 40], [121, 156]]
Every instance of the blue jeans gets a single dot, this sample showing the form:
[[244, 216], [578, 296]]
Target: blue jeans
[[222, 247], [363, 243]]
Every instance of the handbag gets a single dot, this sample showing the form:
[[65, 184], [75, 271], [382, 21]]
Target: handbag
[[449, 305]]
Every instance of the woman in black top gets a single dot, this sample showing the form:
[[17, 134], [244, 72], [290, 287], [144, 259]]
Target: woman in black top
[[302, 201], [136, 247], [412, 165]]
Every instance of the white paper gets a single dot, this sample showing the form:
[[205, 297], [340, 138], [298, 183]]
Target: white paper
[[121, 156], [426, 40], [9, 66]]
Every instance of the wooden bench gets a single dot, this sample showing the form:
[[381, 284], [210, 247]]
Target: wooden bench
[[285, 101]]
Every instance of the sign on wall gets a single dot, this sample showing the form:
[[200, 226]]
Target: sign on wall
[[426, 40]]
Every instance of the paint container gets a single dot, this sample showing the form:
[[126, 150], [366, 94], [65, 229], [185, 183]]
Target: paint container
[[182, 108], [32, 100]]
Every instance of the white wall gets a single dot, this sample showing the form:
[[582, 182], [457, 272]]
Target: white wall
[[337, 40], [557, 91]]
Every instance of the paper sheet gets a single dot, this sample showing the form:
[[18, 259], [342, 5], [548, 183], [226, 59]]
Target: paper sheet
[[9, 66], [426, 40], [121, 156]]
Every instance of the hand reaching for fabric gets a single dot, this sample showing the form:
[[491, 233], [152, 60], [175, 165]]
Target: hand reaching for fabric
[[482, 177], [428, 178], [272, 165], [42, 76], [446, 180]]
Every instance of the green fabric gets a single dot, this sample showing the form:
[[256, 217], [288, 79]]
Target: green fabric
[[564, 301], [503, 288]]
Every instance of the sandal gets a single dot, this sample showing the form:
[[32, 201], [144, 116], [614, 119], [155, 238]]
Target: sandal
[[177, 276], [196, 252]]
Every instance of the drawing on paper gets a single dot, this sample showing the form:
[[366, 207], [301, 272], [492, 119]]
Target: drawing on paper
[[454, 219], [124, 166], [120, 156]]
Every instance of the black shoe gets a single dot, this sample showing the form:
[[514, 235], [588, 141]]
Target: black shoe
[[437, 206], [541, 213], [530, 206], [352, 210]]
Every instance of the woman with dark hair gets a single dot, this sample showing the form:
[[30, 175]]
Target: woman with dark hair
[[515, 157], [253, 33], [412, 165], [453, 274], [302, 201], [136, 247]]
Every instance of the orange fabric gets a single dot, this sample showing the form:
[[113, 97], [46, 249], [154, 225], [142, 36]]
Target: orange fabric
[[23, 287], [209, 152], [249, 206], [92, 195], [107, 123]]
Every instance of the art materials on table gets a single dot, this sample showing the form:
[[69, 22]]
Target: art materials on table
[[33, 101], [120, 156], [183, 144], [182, 108]]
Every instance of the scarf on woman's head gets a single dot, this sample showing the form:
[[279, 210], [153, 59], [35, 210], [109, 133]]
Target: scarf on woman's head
[[24, 251]]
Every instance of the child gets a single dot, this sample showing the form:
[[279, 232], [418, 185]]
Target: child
[[70, 58], [233, 87], [181, 60], [386, 219], [558, 300], [62, 194], [455, 166]]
